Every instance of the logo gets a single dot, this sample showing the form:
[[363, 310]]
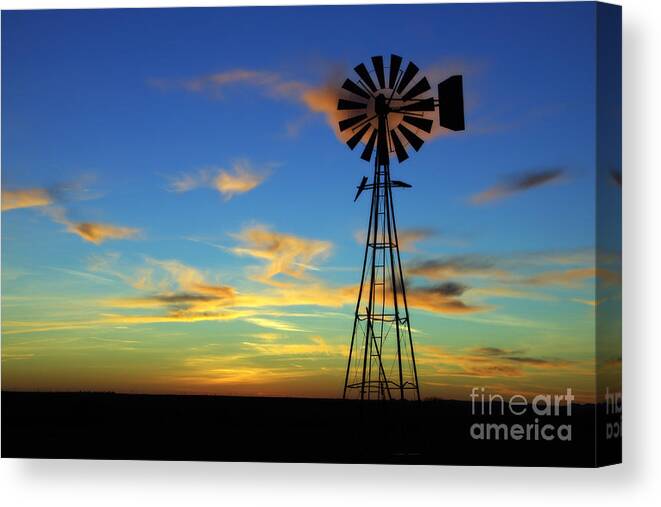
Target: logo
[[493, 406]]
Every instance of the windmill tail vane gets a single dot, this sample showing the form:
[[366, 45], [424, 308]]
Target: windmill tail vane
[[390, 111]]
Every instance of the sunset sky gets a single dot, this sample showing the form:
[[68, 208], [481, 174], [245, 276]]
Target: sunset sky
[[177, 209]]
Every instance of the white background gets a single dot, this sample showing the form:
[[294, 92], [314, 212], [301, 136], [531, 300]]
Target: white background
[[636, 482]]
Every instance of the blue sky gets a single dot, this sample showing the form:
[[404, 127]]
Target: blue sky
[[106, 111]]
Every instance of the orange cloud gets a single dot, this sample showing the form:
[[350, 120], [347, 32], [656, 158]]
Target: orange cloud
[[93, 232], [443, 298], [317, 99], [177, 287], [323, 99], [98, 233], [241, 178], [239, 181], [257, 308], [286, 254], [181, 293], [242, 371], [25, 198], [184, 294]]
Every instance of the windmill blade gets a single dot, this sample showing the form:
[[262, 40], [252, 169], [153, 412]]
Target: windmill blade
[[399, 147], [401, 184], [361, 70], [395, 64], [369, 147], [409, 74], [360, 187], [420, 87], [352, 87], [451, 103], [377, 61], [419, 105], [350, 122], [412, 138], [421, 123], [355, 139], [343, 104]]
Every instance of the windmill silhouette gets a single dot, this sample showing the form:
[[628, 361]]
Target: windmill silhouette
[[388, 114]]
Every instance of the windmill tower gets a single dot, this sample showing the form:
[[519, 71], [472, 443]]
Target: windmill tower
[[388, 114]]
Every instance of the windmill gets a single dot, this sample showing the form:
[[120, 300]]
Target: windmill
[[389, 109]]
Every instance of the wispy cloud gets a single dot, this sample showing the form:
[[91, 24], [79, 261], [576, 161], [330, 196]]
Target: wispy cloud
[[76, 190], [517, 356], [573, 277], [521, 276], [442, 298], [180, 289], [83, 274], [10, 327], [285, 254], [216, 84], [50, 201], [462, 265], [320, 98], [171, 291], [92, 232], [239, 179], [244, 371], [97, 233], [25, 198], [507, 269], [185, 182], [323, 99], [278, 325], [492, 362], [174, 292], [316, 346], [493, 351], [516, 184]]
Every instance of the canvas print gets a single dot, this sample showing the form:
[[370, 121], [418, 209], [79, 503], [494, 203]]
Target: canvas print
[[351, 234]]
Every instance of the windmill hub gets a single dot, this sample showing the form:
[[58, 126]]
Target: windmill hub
[[381, 107], [381, 357]]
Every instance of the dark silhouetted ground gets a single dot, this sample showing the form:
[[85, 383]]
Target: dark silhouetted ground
[[165, 427]]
